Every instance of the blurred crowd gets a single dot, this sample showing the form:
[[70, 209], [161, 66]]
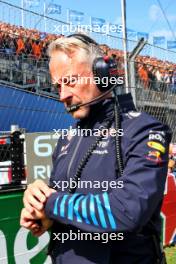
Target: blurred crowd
[[153, 73], [19, 40], [156, 74]]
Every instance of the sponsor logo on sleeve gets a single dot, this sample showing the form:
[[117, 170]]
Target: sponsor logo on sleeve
[[157, 146], [157, 136], [154, 156]]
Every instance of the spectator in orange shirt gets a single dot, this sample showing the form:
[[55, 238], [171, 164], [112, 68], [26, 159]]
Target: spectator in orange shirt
[[36, 48], [143, 74], [20, 46]]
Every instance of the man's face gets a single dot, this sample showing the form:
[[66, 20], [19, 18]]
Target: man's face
[[75, 80]]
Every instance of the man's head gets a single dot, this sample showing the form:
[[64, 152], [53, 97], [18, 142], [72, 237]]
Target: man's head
[[71, 61]]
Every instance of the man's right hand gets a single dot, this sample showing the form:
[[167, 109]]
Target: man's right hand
[[36, 195]]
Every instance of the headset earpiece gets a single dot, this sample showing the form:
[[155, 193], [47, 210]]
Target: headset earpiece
[[104, 68], [105, 72]]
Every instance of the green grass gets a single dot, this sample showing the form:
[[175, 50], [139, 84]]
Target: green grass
[[171, 254]]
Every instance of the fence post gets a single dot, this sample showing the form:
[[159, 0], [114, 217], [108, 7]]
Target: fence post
[[132, 72]]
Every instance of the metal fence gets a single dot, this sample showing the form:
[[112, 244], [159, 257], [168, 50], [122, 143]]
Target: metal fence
[[24, 61], [26, 72], [160, 104], [154, 90]]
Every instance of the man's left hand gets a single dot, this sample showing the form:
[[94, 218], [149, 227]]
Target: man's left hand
[[36, 222]]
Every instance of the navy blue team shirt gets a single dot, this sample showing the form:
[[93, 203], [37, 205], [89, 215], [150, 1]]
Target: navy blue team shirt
[[126, 209]]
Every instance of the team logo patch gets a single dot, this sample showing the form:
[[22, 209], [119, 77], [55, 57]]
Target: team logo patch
[[103, 144], [133, 114], [154, 156], [157, 146]]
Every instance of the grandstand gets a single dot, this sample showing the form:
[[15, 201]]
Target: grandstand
[[29, 47], [24, 64]]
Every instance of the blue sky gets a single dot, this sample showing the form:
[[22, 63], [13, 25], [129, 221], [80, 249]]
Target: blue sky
[[142, 15]]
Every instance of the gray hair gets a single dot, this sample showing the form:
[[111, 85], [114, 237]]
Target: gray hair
[[72, 44]]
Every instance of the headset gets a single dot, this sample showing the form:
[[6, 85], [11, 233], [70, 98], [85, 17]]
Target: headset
[[102, 67]]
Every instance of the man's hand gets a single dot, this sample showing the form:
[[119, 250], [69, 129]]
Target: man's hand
[[36, 222], [36, 195], [33, 216]]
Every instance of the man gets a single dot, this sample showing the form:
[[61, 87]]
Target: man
[[128, 211]]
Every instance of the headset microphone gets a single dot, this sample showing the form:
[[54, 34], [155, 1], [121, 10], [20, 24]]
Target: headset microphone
[[75, 107], [72, 108]]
